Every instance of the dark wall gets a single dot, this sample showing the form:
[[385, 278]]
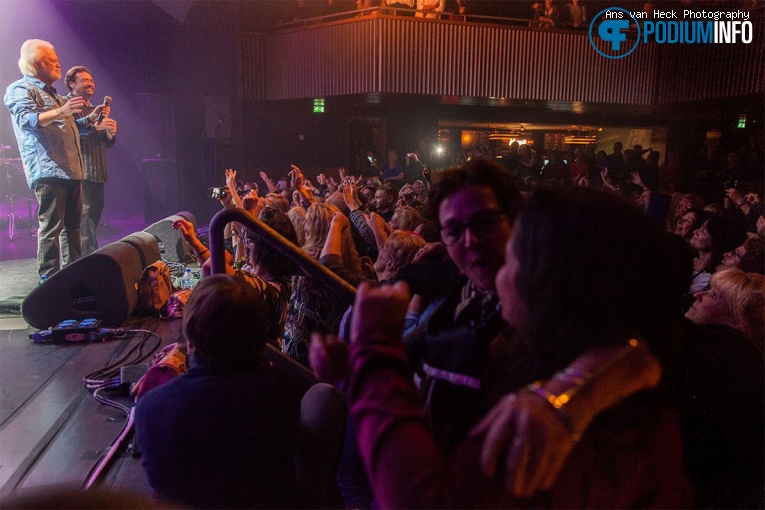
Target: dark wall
[[205, 64]]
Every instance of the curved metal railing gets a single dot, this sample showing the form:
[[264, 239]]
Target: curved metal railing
[[310, 267]]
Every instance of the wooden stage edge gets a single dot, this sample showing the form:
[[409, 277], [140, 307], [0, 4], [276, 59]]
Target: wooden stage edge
[[52, 430]]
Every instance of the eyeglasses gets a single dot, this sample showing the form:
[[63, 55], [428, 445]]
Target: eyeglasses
[[733, 254], [481, 224]]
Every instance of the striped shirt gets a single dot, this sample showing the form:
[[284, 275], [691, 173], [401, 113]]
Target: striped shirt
[[93, 148]]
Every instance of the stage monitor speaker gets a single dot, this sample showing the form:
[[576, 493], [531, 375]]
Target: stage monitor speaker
[[101, 285], [161, 189], [172, 246]]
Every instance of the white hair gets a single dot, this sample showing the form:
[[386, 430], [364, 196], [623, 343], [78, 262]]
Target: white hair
[[28, 55]]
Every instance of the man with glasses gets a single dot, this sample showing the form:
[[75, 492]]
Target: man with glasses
[[475, 206]]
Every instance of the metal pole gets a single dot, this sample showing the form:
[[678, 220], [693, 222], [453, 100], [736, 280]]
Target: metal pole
[[310, 267]]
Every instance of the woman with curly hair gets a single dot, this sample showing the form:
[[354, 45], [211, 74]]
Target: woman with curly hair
[[313, 307]]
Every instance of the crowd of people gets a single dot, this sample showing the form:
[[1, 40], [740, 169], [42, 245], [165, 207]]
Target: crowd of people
[[524, 334], [519, 337]]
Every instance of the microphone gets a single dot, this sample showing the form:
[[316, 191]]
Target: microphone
[[107, 102]]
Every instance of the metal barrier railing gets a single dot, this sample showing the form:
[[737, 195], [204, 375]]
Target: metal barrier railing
[[310, 267]]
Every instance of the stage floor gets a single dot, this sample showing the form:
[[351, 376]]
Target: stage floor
[[52, 430]]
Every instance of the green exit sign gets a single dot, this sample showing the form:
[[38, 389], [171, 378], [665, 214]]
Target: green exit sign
[[318, 105], [742, 121]]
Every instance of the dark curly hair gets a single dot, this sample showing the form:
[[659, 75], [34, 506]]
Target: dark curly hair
[[593, 271], [271, 260], [71, 76], [479, 172]]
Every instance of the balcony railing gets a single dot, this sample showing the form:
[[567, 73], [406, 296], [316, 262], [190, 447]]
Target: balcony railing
[[373, 51]]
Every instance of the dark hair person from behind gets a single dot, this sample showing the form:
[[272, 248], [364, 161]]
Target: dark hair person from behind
[[222, 435], [223, 329], [594, 271]]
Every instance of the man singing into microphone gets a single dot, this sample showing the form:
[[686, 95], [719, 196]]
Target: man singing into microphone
[[80, 82], [49, 143]]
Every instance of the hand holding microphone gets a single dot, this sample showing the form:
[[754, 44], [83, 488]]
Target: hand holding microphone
[[105, 110]]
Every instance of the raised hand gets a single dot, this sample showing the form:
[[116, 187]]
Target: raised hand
[[348, 195], [230, 177], [186, 228], [252, 204], [379, 311], [328, 358], [296, 177], [99, 110], [340, 221], [376, 222]]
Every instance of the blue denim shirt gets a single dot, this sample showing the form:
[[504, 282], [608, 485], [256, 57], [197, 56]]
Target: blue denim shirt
[[46, 151]]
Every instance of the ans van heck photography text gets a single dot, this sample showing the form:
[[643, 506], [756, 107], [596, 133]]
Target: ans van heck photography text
[[686, 14], [685, 26]]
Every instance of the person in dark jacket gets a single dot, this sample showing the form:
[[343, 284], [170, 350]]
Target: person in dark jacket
[[222, 435]]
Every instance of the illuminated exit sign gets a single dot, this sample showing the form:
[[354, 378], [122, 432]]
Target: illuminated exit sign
[[742, 121], [318, 105]]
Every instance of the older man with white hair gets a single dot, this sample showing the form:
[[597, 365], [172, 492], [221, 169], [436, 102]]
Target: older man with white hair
[[49, 142]]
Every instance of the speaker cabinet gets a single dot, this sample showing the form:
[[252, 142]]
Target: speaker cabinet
[[172, 246], [101, 285]]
